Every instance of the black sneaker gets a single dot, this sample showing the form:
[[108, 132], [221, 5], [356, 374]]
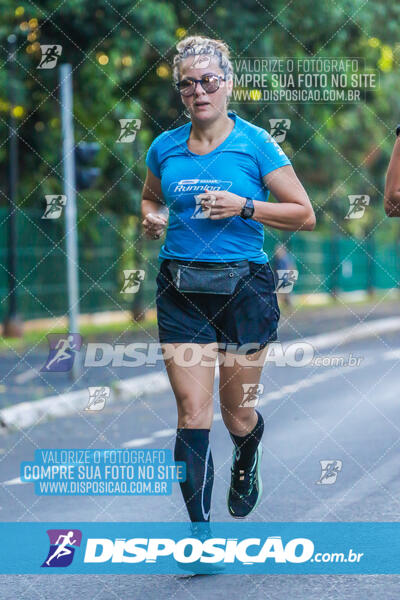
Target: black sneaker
[[245, 491], [202, 532]]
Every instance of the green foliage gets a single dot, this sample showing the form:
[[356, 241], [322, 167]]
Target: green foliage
[[121, 54]]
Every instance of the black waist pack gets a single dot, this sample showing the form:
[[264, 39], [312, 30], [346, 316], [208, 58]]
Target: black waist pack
[[212, 278]]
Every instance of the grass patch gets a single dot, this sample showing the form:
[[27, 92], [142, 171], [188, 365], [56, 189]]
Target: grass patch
[[88, 332]]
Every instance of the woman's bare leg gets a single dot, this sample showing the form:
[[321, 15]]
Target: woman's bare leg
[[246, 427], [193, 389], [239, 420]]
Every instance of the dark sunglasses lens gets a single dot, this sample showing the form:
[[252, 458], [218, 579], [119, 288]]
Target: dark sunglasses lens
[[210, 84], [186, 86]]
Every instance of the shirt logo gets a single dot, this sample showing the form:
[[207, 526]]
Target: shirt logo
[[195, 186]]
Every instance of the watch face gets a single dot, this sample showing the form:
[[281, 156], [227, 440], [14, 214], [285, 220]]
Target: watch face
[[247, 211], [397, 129]]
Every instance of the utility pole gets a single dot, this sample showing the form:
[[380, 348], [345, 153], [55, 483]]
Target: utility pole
[[12, 326], [71, 234]]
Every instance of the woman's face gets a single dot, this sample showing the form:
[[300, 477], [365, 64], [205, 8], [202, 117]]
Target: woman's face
[[203, 106]]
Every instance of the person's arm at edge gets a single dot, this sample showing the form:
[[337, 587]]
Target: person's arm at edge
[[391, 199]]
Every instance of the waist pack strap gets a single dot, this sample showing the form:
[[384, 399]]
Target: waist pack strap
[[218, 279], [206, 265]]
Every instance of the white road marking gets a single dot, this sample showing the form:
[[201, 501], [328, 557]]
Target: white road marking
[[277, 395], [26, 376], [392, 354], [15, 481], [164, 432], [138, 442]]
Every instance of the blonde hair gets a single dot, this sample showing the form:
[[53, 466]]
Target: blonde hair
[[196, 45]]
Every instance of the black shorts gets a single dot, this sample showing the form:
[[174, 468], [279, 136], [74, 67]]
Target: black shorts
[[248, 316]]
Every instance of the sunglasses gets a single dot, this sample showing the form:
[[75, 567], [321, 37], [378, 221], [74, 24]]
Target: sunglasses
[[209, 83]]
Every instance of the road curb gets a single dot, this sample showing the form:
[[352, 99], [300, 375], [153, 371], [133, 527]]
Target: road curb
[[27, 414]]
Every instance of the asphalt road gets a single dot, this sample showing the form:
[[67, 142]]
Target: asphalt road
[[21, 378], [341, 413]]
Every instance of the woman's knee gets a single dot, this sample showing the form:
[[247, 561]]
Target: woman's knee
[[195, 413], [239, 420]]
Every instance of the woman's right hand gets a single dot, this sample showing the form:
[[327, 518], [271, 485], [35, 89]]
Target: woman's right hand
[[154, 225]]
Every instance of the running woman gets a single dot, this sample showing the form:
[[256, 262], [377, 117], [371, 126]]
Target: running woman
[[392, 186], [207, 184]]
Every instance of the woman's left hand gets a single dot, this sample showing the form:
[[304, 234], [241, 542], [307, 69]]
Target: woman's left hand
[[226, 204]]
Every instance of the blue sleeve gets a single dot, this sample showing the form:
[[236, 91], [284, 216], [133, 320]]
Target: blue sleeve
[[269, 154], [152, 159]]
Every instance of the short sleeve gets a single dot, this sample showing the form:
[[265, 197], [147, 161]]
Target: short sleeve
[[152, 159], [269, 154]]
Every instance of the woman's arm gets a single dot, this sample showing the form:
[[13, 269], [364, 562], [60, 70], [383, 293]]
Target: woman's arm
[[292, 212], [391, 200], [154, 212]]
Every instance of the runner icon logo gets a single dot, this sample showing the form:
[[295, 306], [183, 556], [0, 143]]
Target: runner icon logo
[[286, 280], [357, 207], [133, 279], [62, 351], [129, 128], [279, 129], [50, 55], [97, 398], [62, 547], [54, 206], [329, 471], [251, 394]]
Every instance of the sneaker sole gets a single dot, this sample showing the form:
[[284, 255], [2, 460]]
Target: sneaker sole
[[260, 486]]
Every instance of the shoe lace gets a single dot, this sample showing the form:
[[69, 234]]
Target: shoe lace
[[243, 479]]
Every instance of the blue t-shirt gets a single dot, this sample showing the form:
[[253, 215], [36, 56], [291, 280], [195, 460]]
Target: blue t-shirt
[[237, 165]]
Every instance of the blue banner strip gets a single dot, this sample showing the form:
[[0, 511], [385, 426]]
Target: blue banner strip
[[172, 548]]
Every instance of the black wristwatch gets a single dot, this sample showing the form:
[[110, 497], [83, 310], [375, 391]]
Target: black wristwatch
[[397, 130], [248, 209]]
